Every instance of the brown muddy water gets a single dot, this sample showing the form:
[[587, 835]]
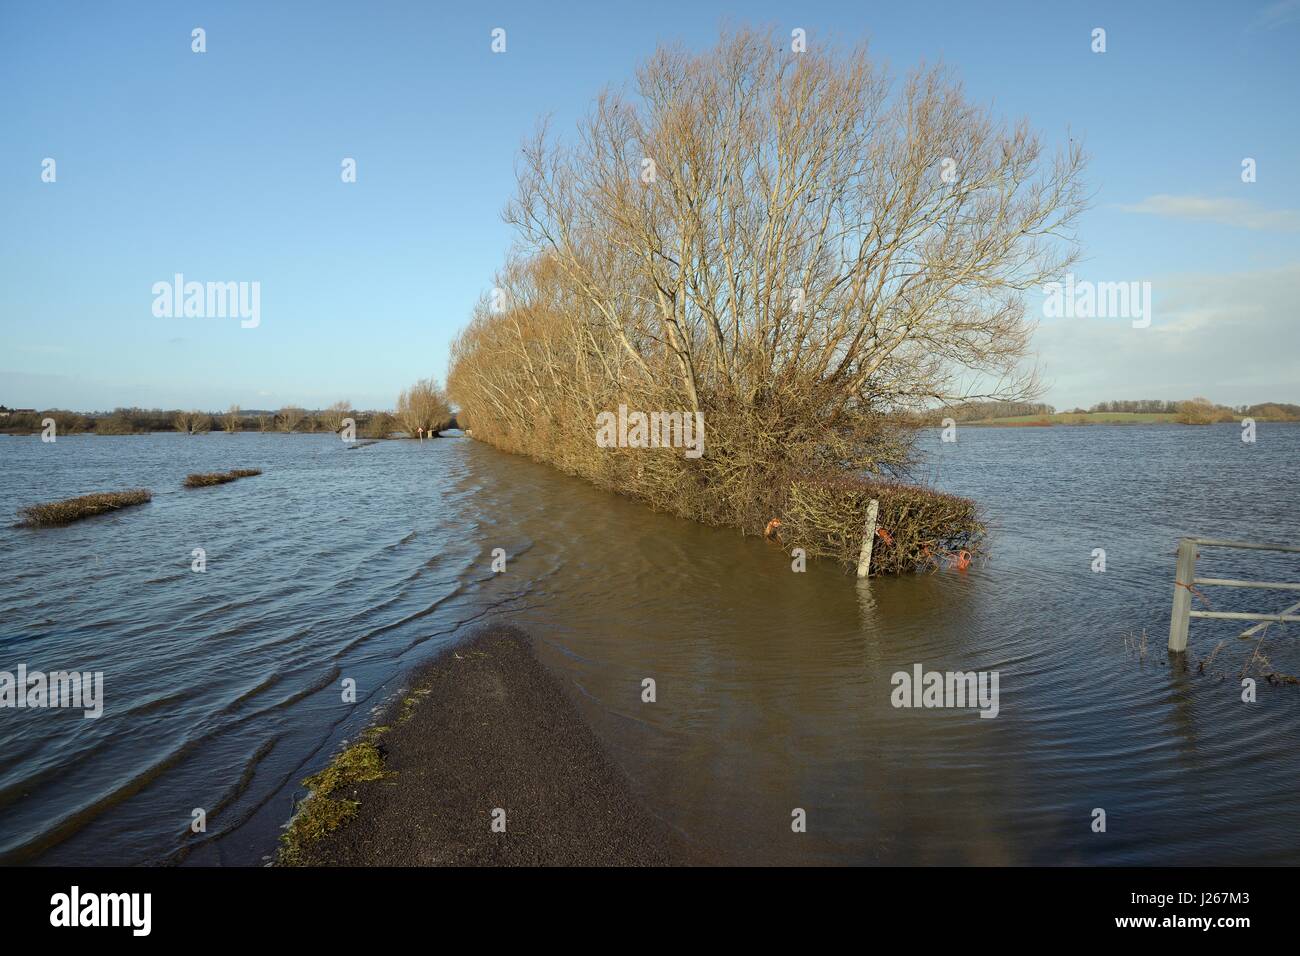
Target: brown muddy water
[[222, 689]]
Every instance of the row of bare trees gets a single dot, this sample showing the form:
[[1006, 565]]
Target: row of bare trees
[[288, 419], [423, 405], [422, 409], [793, 244]]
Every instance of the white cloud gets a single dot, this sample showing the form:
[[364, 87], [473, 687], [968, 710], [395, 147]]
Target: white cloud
[[1229, 212], [1234, 338]]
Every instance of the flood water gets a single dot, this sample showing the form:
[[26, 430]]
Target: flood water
[[223, 688]]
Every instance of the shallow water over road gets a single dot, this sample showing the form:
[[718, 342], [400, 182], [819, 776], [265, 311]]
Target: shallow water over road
[[223, 688]]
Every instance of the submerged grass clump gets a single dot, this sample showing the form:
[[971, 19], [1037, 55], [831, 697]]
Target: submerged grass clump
[[323, 812], [358, 763], [87, 506], [205, 479]]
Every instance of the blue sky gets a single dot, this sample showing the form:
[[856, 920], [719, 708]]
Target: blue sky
[[226, 166]]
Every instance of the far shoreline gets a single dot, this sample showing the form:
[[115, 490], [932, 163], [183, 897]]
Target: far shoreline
[[1069, 421], [1065, 420]]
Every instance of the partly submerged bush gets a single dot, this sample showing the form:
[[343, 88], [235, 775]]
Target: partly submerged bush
[[230, 421], [331, 419], [422, 409], [116, 424], [289, 418], [205, 479], [380, 425], [192, 423], [1201, 411], [917, 527], [86, 506], [65, 422]]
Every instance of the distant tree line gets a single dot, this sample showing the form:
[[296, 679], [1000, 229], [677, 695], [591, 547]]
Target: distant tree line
[[423, 406], [1195, 411], [1272, 411], [142, 421], [1201, 411], [1204, 409], [982, 411], [1141, 406]]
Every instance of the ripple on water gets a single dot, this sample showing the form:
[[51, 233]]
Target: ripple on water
[[772, 687]]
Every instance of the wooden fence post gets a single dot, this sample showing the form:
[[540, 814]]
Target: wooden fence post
[[868, 537], [1183, 577]]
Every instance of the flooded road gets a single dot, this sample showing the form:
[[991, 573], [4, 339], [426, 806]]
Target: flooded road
[[224, 688]]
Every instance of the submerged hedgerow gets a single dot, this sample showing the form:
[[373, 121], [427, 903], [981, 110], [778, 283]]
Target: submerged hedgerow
[[206, 479], [86, 506], [917, 528]]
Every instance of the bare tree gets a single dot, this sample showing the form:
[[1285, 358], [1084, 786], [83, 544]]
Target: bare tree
[[423, 407], [792, 245], [289, 418], [805, 225], [230, 420], [332, 417]]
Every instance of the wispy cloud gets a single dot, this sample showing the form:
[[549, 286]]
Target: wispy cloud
[[1275, 15], [1228, 212]]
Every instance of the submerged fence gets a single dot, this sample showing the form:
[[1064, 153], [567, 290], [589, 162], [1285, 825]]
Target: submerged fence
[[1186, 583]]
